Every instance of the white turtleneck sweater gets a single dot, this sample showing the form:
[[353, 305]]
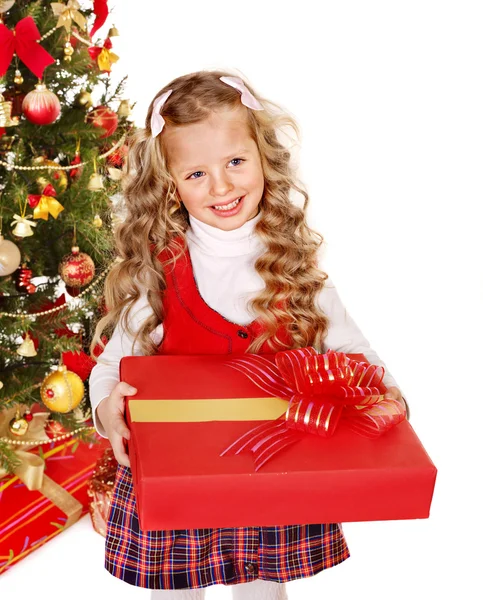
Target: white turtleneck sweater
[[223, 265]]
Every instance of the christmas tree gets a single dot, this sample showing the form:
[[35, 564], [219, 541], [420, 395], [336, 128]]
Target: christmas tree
[[63, 126]]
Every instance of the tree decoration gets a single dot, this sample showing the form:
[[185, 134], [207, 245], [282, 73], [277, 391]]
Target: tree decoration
[[23, 226], [104, 56], [67, 13], [83, 99], [19, 425], [41, 106], [23, 42], [60, 176], [6, 119], [6, 5], [22, 280], [62, 390], [104, 118], [45, 204], [9, 257], [101, 11], [18, 79], [77, 269], [68, 51], [15, 96], [27, 347], [124, 109]]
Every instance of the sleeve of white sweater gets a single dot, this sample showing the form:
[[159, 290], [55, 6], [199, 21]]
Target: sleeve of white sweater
[[105, 375], [343, 336]]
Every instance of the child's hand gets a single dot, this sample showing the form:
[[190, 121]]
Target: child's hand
[[394, 393], [111, 414]]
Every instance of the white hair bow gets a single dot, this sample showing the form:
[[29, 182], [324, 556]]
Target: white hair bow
[[157, 121], [247, 98]]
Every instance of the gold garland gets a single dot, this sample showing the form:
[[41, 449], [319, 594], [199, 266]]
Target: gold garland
[[11, 167], [62, 306], [59, 438]]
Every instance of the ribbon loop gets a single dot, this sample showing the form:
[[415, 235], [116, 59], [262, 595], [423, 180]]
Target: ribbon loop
[[323, 390], [23, 41]]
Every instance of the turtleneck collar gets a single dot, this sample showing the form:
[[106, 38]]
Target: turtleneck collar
[[217, 242]]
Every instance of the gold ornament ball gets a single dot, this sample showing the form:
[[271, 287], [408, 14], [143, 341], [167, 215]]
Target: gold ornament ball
[[84, 99], [97, 222], [18, 79], [62, 391], [18, 426], [68, 49]]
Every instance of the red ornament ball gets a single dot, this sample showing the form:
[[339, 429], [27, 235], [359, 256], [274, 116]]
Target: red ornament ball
[[105, 118], [116, 158], [41, 106], [77, 269]]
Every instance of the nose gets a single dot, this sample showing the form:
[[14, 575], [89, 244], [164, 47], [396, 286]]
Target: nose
[[221, 184]]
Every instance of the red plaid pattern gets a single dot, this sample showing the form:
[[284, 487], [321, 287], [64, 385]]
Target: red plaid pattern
[[194, 558]]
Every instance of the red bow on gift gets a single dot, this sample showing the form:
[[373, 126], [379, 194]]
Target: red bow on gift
[[23, 42], [322, 390]]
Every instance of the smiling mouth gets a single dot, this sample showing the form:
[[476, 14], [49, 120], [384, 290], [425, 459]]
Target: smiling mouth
[[230, 206]]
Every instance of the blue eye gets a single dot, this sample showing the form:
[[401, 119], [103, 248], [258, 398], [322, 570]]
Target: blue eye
[[241, 160], [195, 173]]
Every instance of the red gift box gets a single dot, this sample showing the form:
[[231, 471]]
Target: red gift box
[[182, 482], [29, 519]]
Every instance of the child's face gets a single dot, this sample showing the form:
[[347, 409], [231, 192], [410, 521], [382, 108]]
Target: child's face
[[214, 163]]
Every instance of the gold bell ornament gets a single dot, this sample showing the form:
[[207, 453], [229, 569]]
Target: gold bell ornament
[[115, 174], [27, 347], [97, 222], [62, 390], [83, 99], [23, 226], [6, 119], [95, 183], [124, 109], [113, 32]]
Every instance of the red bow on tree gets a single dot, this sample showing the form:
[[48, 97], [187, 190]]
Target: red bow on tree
[[23, 43], [322, 390], [101, 11]]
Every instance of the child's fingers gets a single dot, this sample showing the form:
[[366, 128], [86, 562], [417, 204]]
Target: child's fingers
[[123, 389], [120, 427], [119, 451]]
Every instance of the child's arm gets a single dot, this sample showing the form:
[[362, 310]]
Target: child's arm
[[107, 393], [345, 336]]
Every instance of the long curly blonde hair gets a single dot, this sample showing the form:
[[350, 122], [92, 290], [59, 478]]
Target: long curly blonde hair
[[155, 217]]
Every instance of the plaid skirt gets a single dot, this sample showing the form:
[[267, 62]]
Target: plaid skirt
[[196, 558]]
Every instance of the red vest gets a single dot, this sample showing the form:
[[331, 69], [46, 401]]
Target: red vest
[[192, 327]]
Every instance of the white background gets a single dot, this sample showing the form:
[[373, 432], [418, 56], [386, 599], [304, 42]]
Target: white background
[[389, 99]]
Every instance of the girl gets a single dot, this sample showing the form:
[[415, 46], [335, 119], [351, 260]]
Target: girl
[[215, 259]]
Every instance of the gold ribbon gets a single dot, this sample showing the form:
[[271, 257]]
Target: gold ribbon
[[67, 13], [47, 205], [202, 410], [106, 59], [31, 468]]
